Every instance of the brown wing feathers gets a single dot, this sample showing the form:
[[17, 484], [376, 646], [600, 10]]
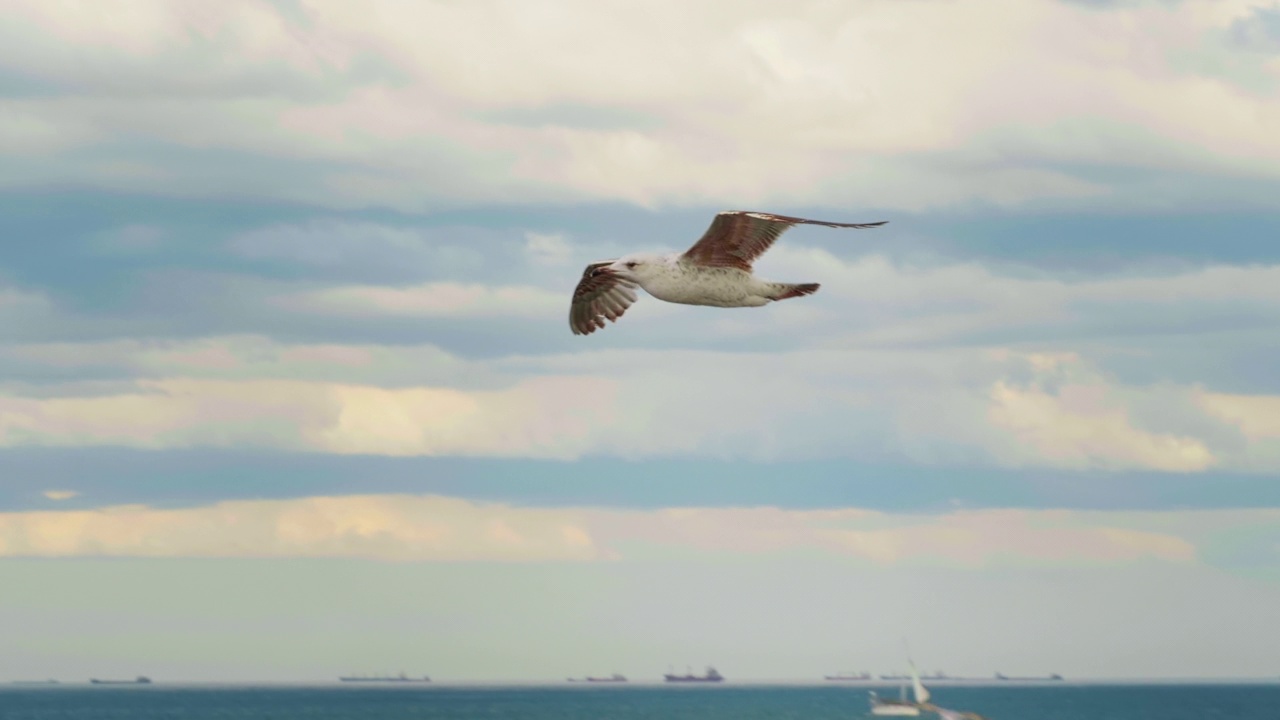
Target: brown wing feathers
[[600, 295], [737, 237]]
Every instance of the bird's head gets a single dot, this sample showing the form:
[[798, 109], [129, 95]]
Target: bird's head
[[637, 266]]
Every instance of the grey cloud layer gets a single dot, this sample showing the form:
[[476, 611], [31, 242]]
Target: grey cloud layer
[[456, 326], [968, 407], [449, 105], [398, 527]]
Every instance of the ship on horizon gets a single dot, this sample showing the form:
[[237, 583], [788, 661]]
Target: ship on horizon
[[940, 675], [1055, 677], [848, 677], [711, 676], [140, 680], [614, 678], [383, 678]]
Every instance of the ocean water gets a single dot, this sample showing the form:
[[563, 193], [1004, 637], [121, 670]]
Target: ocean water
[[726, 702]]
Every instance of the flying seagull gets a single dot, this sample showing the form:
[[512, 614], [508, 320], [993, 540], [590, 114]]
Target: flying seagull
[[715, 271]]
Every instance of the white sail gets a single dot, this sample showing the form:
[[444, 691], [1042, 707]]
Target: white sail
[[922, 693]]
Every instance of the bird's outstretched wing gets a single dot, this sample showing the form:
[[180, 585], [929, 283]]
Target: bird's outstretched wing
[[600, 295], [737, 237]]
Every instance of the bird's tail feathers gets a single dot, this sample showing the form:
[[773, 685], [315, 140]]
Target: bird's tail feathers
[[786, 290]]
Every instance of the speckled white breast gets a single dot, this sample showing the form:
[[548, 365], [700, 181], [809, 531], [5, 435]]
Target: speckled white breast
[[688, 284]]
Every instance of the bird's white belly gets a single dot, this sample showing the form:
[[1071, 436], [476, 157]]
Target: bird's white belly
[[719, 287]]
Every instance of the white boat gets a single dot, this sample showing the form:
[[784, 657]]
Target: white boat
[[902, 707], [884, 706]]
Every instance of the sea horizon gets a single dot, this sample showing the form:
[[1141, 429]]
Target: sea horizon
[[557, 701], [124, 683]]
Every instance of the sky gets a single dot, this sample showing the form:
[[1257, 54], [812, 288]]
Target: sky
[[287, 387]]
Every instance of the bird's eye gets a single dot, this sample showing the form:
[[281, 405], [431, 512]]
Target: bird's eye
[[631, 264]]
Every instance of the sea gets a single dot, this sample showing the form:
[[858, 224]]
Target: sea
[[1064, 701]]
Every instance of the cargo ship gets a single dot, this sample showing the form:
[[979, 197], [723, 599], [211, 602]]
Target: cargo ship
[[140, 680], [614, 678], [711, 676], [906, 678], [383, 678], [848, 677], [1052, 678]]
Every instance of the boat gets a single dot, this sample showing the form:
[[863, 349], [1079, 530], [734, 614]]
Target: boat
[[711, 676], [887, 706], [140, 680], [1055, 677], [902, 707], [848, 677], [383, 678], [614, 678]]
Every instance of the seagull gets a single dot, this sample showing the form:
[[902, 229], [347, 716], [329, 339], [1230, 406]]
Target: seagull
[[715, 271]]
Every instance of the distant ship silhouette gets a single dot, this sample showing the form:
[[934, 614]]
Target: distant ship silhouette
[[614, 678], [383, 678], [140, 680], [711, 676]]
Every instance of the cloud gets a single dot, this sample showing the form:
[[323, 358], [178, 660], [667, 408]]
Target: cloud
[[436, 528], [449, 300], [14, 300], [245, 357], [982, 538], [971, 406], [543, 417], [960, 539], [1258, 31], [519, 305], [22, 309], [342, 248], [1257, 417], [60, 494], [135, 238], [900, 105], [1086, 425], [373, 527], [548, 248], [919, 360], [867, 301], [875, 300]]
